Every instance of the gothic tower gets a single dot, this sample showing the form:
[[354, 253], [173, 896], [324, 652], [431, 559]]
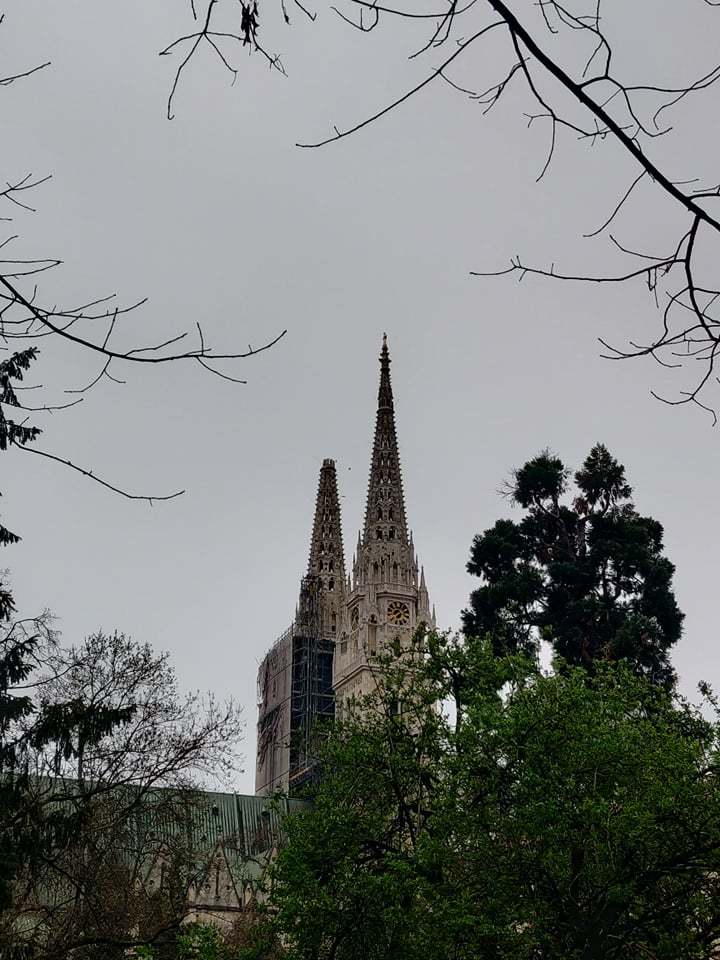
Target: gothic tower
[[387, 597], [327, 557], [295, 678]]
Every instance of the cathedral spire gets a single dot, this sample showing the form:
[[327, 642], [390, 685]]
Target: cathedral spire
[[326, 548], [385, 509]]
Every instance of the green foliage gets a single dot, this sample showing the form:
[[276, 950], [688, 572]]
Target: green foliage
[[201, 941], [589, 576], [252, 940], [12, 369], [29, 826], [563, 819], [33, 826]]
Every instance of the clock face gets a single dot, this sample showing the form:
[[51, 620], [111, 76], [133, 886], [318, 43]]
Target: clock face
[[354, 618], [398, 613]]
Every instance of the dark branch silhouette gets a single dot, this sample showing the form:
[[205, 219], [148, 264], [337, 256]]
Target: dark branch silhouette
[[561, 51], [93, 326]]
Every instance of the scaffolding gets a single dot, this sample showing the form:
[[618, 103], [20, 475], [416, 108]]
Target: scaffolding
[[312, 703], [273, 729]]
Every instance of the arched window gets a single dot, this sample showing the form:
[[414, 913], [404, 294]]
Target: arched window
[[378, 533], [331, 583], [391, 515], [376, 568], [395, 571], [331, 565], [379, 513], [391, 533]]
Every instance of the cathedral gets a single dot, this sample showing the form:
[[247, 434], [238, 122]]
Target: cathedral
[[342, 620]]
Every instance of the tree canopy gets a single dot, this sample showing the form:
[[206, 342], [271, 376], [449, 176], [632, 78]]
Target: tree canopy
[[563, 820], [582, 570]]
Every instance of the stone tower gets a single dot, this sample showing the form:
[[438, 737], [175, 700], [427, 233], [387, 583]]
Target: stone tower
[[327, 557], [295, 678], [387, 597]]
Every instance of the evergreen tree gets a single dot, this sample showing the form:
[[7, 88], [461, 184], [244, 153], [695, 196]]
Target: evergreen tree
[[17, 650], [582, 570]]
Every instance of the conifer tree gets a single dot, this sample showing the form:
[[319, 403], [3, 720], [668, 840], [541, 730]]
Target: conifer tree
[[582, 570]]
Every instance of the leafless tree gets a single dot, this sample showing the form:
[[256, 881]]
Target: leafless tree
[[564, 55], [31, 322], [168, 739]]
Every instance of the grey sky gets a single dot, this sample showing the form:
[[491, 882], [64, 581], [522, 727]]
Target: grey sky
[[217, 216]]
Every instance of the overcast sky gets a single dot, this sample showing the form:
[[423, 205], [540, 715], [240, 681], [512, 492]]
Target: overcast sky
[[218, 217]]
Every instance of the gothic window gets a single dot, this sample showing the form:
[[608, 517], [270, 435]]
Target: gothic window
[[376, 568], [395, 571], [354, 618], [331, 565], [378, 533], [379, 513], [391, 516], [334, 622], [331, 583], [372, 639], [391, 533]]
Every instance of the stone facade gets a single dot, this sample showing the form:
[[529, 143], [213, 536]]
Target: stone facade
[[387, 597], [339, 623]]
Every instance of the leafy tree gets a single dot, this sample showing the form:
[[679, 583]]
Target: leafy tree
[[562, 820], [250, 938], [586, 572]]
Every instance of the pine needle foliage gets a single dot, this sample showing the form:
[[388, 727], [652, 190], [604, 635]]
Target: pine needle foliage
[[582, 570]]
